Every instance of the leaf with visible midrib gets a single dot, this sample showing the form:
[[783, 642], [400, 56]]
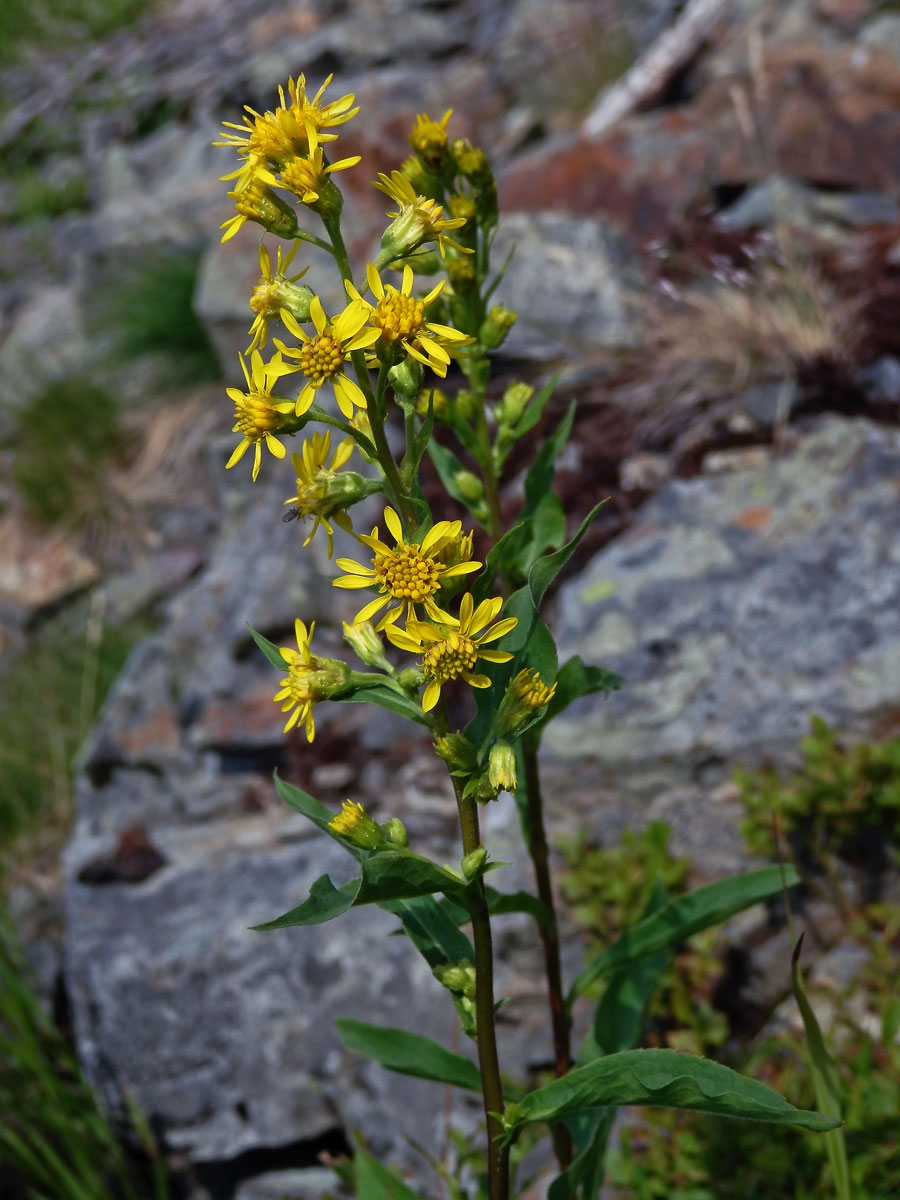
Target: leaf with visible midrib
[[664, 1078], [409, 1053]]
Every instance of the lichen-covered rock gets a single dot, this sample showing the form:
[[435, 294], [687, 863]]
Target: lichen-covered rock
[[737, 606]]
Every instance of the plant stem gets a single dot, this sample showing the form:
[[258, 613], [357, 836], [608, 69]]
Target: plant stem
[[549, 931], [485, 1027]]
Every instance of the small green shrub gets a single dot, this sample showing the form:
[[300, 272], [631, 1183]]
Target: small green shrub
[[149, 310], [842, 804], [40, 198], [54, 1140], [52, 692], [65, 436], [25, 22]]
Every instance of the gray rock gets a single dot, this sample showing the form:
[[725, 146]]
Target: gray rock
[[46, 343], [572, 280], [736, 607], [881, 379], [771, 403], [884, 33], [780, 200], [311, 1183]]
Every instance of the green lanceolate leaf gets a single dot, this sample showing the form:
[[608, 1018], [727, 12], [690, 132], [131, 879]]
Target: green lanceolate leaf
[[269, 649], [324, 903], [432, 930], [373, 1181], [826, 1083], [409, 1054], [546, 569], [503, 557], [385, 697], [539, 479], [533, 412], [576, 679], [385, 876], [448, 468], [303, 803], [686, 916], [663, 1078]]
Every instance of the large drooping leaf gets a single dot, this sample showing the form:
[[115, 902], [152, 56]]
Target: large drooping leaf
[[409, 1053], [373, 1181], [685, 916], [663, 1078], [387, 875]]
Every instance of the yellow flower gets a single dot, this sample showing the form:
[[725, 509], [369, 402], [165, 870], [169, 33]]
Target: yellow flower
[[450, 648], [309, 678], [429, 138], [316, 477], [323, 358], [256, 413], [400, 319], [274, 138], [269, 296], [411, 572], [418, 220], [296, 695], [354, 823], [307, 177], [257, 202]]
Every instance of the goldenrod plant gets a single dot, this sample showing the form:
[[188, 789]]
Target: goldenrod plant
[[449, 628]]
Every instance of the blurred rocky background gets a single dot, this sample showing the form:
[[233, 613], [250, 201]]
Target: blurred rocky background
[[704, 198]]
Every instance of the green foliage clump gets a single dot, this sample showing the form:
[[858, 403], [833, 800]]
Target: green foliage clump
[[38, 197], [843, 803], [54, 1139], [52, 692], [64, 436], [149, 309], [27, 22], [609, 888]]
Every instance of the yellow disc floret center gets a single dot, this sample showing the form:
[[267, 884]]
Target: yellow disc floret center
[[254, 415], [300, 677], [399, 316], [449, 658], [320, 358], [407, 574]]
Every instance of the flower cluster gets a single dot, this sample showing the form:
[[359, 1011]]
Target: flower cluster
[[287, 172]]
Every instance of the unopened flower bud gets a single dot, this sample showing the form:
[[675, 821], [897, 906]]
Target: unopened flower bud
[[406, 377], [473, 863], [455, 978], [466, 404], [354, 824], [296, 298], [440, 400], [457, 752], [366, 644], [470, 486], [513, 403], [411, 679], [471, 162], [395, 833], [525, 696], [496, 326], [257, 202], [502, 767]]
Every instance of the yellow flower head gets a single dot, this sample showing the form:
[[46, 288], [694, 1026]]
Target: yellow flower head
[[273, 138], [451, 648], [323, 358], [400, 318], [269, 294], [429, 138], [307, 177], [257, 202], [525, 697], [316, 478], [257, 413], [410, 572], [309, 678], [418, 220], [354, 824]]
